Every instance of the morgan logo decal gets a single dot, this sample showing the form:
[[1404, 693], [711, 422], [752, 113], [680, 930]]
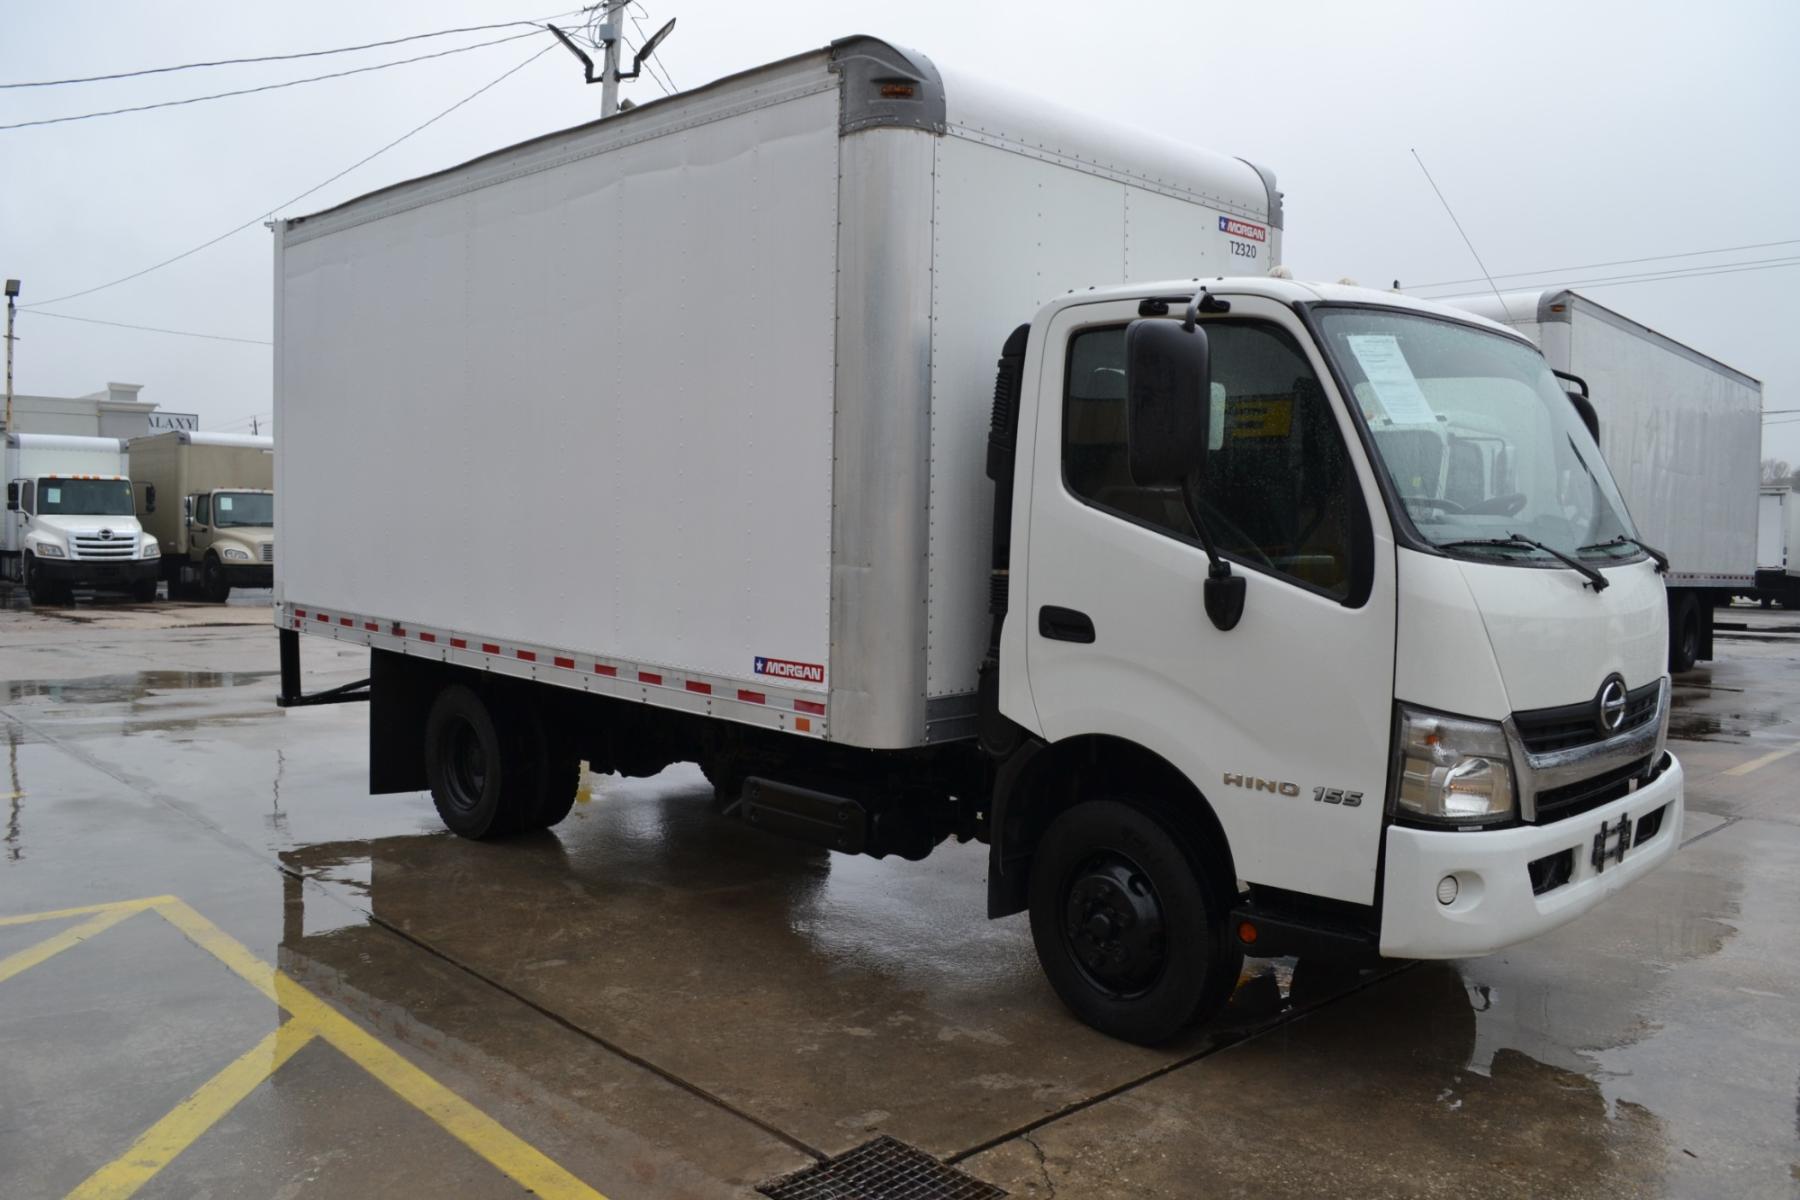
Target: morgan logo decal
[[1243, 229], [781, 668]]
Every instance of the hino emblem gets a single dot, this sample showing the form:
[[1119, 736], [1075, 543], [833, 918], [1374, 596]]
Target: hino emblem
[[106, 535], [1609, 705]]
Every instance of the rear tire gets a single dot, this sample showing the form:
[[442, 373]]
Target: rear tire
[[1130, 928], [481, 779], [556, 772], [1684, 636]]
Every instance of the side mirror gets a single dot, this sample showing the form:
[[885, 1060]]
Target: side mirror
[[149, 497], [1168, 388], [12, 497], [1585, 409]]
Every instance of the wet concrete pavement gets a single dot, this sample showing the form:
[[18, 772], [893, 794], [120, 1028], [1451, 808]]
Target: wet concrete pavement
[[661, 1003]]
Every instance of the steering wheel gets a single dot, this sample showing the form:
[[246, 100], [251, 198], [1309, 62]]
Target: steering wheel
[[1428, 502], [1501, 506]]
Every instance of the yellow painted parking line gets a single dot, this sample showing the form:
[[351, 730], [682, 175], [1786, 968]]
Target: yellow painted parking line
[[158, 1146], [311, 1018], [137, 905], [1758, 763], [31, 956]]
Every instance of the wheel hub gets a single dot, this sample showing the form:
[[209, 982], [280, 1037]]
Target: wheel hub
[[468, 766], [1114, 924]]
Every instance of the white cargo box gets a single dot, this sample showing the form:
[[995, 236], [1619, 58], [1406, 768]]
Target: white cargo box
[[690, 406], [1681, 431]]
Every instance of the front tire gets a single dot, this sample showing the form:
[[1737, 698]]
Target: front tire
[[1684, 636], [1130, 928], [144, 591], [213, 583]]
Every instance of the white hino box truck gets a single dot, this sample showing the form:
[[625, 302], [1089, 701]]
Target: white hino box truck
[[70, 522], [695, 420], [1682, 433]]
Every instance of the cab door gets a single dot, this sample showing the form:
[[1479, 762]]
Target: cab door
[[1282, 722], [199, 525]]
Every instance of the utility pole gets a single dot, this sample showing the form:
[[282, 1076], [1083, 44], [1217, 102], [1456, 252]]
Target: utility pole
[[612, 33], [12, 294]]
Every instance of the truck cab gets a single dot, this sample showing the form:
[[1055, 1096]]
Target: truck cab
[[1346, 571], [231, 538], [70, 520]]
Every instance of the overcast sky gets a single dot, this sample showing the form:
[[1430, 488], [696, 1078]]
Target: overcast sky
[[1564, 134]]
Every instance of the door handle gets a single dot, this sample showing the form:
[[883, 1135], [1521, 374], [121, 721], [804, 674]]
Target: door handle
[[1065, 624]]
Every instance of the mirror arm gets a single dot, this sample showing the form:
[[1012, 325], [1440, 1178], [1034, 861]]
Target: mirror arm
[[1224, 591]]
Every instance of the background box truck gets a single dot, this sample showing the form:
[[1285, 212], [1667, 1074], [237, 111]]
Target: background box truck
[[216, 519], [1154, 607], [70, 521], [1682, 433]]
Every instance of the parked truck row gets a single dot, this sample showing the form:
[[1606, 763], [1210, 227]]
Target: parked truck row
[[958, 470], [83, 512]]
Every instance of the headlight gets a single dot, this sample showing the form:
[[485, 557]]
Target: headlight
[[234, 553], [152, 550], [49, 550], [1452, 770]]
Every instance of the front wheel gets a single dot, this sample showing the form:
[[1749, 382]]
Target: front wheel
[[213, 583], [1684, 636], [144, 591], [1130, 929]]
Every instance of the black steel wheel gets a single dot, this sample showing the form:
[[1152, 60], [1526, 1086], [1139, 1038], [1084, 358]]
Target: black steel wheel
[[471, 769], [1130, 927]]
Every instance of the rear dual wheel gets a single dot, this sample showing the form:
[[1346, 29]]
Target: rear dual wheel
[[493, 767], [1130, 926]]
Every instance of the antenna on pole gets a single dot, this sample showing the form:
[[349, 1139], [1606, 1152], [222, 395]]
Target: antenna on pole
[[1505, 311], [609, 36]]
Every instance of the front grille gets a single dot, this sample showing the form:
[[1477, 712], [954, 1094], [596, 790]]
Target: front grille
[[1544, 730], [1553, 804], [268, 552], [93, 546]]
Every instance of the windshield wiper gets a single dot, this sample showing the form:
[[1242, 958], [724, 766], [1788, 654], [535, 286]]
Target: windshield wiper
[[1624, 539], [1595, 579]]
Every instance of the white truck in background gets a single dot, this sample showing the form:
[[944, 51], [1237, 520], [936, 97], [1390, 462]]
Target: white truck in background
[[216, 519], [1682, 433], [1777, 547], [70, 521], [1162, 608]]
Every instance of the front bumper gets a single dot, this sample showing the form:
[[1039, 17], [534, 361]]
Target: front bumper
[[98, 573], [250, 574], [1495, 906]]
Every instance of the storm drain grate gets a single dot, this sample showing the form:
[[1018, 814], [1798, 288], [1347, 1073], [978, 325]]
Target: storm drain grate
[[884, 1169]]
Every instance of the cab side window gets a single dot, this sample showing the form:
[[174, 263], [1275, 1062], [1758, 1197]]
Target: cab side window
[[203, 510], [1279, 492], [28, 496]]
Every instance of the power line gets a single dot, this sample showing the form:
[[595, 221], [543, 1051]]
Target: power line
[[1459, 229], [1620, 262], [216, 337], [1759, 264], [260, 217], [265, 58], [268, 87]]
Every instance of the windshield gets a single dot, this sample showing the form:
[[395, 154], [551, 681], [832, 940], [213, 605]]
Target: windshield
[[243, 508], [85, 497], [1479, 440]]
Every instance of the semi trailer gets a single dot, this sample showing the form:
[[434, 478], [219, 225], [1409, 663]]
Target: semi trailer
[[216, 522], [70, 521], [1682, 433], [946, 466]]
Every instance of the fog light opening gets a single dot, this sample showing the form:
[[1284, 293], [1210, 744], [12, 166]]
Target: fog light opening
[[1447, 889]]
